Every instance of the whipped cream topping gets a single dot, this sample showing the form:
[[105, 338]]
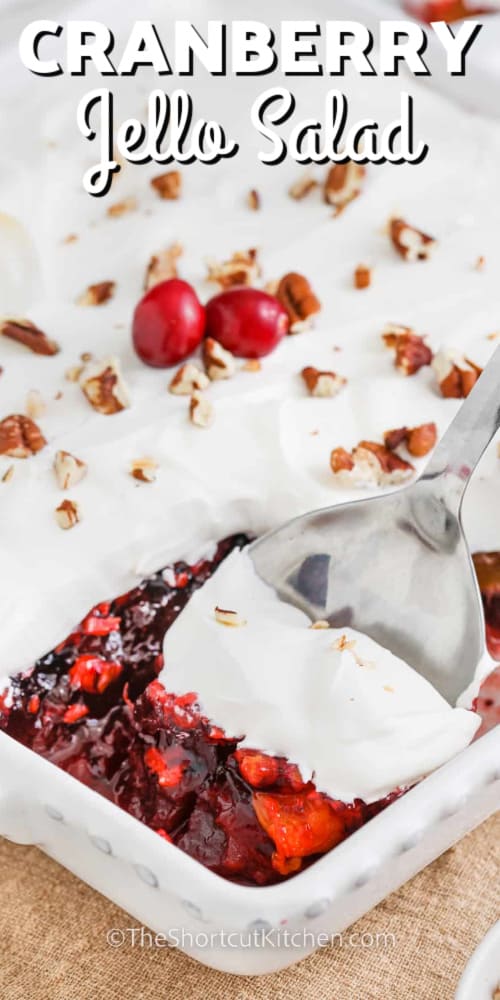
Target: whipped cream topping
[[353, 716], [266, 457]]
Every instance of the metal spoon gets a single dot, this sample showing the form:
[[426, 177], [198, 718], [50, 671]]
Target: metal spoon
[[398, 567]]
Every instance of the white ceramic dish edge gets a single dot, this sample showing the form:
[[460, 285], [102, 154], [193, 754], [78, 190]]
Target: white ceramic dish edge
[[165, 890]]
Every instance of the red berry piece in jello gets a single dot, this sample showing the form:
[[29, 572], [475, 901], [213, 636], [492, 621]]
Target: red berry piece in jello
[[168, 324], [487, 703], [246, 321]]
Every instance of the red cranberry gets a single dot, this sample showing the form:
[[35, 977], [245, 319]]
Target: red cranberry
[[168, 324], [246, 321]]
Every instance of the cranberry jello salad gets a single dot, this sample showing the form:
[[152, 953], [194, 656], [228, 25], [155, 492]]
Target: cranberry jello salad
[[185, 364]]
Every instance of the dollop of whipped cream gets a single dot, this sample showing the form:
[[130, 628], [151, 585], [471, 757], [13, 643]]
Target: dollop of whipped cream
[[353, 716]]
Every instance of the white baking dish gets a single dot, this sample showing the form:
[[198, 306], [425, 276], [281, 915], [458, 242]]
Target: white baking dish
[[165, 890]]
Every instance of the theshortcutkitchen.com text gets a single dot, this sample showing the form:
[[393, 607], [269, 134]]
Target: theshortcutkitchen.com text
[[172, 131]]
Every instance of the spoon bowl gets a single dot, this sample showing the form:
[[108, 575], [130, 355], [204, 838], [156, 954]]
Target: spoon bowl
[[397, 567]]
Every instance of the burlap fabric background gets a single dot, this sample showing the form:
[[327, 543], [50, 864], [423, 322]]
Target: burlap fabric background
[[53, 939]]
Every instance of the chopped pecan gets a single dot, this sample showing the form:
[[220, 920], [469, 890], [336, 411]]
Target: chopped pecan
[[201, 411], [251, 365], [24, 332], [412, 350], [67, 514], [456, 374], [188, 378], [418, 440], [162, 266], [341, 460], [322, 383], [480, 264], [103, 385], [297, 297], [421, 439], [70, 238], [73, 374], [320, 624], [370, 464], [241, 269], [343, 184], [254, 200], [35, 405], [301, 188], [20, 437], [7, 475], [271, 287], [122, 207], [393, 439], [144, 469], [362, 276], [218, 362], [168, 186], [409, 242], [97, 295], [231, 618], [68, 470]]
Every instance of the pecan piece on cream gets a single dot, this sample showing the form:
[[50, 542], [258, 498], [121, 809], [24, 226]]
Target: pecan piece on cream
[[162, 266], [144, 469], [421, 439], [122, 207], [456, 374], [201, 411], [226, 617], [362, 276], [218, 362], [254, 200], [67, 514], [343, 184], [103, 385], [24, 332], [98, 294], [412, 350], [241, 269], [188, 378], [20, 437], [251, 365], [68, 469], [297, 297], [8, 474], [322, 384], [168, 185], [370, 464], [418, 440], [410, 243], [73, 374], [394, 438], [302, 187], [35, 405]]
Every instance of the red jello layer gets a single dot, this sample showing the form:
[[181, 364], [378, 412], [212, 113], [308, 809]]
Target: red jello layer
[[94, 707]]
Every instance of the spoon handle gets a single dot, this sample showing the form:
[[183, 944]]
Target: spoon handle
[[457, 454]]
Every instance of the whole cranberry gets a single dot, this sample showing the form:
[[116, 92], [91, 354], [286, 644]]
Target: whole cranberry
[[246, 321], [168, 323]]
